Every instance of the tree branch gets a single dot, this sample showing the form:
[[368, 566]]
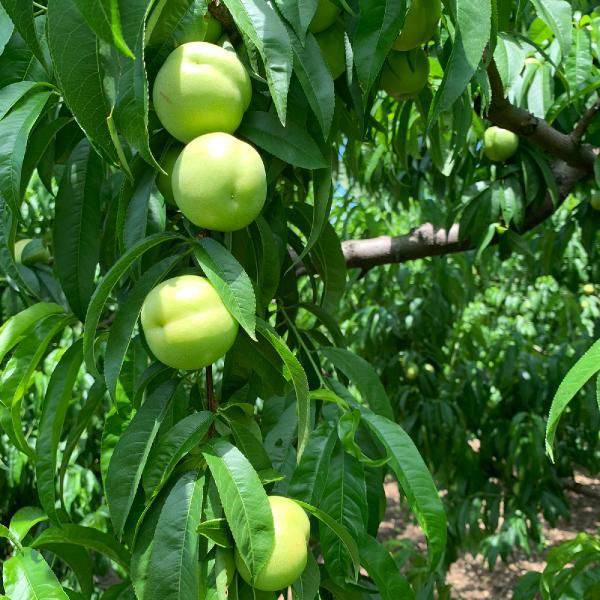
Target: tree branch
[[573, 161], [429, 240]]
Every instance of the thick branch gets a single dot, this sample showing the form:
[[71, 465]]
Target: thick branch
[[573, 162], [429, 240]]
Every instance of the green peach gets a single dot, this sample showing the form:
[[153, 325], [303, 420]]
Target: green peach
[[204, 29], [219, 182], [186, 324], [333, 48], [324, 17], [164, 181], [595, 201], [290, 552], [201, 88], [405, 74], [419, 26], [500, 144]]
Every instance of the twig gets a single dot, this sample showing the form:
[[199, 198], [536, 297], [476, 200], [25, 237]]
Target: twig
[[585, 122]]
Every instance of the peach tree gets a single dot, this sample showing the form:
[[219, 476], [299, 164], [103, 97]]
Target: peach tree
[[184, 281]]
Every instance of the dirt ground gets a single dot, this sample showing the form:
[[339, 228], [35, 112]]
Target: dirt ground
[[469, 577]]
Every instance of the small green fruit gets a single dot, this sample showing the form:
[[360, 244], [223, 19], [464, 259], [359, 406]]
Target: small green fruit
[[204, 29], [164, 183], [589, 289], [333, 47], [405, 74], [290, 553], [325, 16], [500, 144], [595, 201], [28, 252], [186, 324], [219, 182], [201, 88], [411, 372], [419, 25]]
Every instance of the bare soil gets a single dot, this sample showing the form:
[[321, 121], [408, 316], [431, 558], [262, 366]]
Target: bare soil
[[469, 577]]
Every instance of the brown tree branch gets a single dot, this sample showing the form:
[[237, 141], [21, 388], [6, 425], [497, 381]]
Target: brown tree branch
[[573, 161], [429, 240]]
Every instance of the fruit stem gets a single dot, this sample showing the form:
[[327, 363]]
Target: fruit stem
[[210, 391]]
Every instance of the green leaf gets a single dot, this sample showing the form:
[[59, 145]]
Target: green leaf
[[143, 544], [17, 376], [171, 447], [172, 571], [339, 530], [298, 14], [298, 378], [15, 129], [131, 453], [259, 22], [323, 196], [383, 570], [78, 212], [102, 292], [27, 576], [315, 78], [12, 93], [307, 586], [86, 537], [291, 143], [76, 59], [24, 519], [363, 376], [231, 282], [558, 15], [38, 147], [345, 500], [6, 29], [310, 477], [585, 368], [472, 33], [123, 327], [54, 410], [132, 101], [80, 563], [244, 502], [326, 256], [217, 531], [84, 416], [378, 26], [347, 427], [415, 480], [104, 19], [250, 444], [21, 14], [13, 330]]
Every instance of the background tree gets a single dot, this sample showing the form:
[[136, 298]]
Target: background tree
[[116, 463]]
